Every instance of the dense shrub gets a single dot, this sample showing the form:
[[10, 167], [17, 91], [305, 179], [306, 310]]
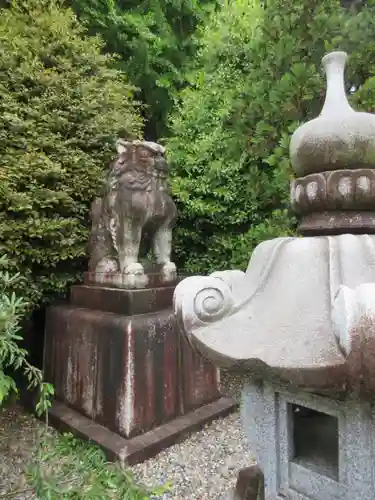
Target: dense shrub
[[62, 105], [257, 77]]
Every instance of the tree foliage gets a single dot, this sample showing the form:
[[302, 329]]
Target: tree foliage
[[257, 77], [62, 106], [154, 41]]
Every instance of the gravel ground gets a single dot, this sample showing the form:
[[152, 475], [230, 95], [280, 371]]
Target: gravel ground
[[204, 466]]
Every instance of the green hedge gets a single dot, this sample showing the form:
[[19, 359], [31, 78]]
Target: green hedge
[[257, 78], [62, 105]]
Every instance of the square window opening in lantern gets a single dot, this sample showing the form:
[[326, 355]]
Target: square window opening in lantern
[[315, 440]]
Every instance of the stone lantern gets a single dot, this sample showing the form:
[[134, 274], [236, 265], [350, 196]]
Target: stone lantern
[[300, 322]]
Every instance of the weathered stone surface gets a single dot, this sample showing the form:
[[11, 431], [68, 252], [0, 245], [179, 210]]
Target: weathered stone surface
[[335, 201], [339, 138], [139, 448], [120, 280], [338, 222], [116, 356], [250, 484], [311, 473], [120, 301], [135, 204], [337, 190], [335, 154], [284, 331]]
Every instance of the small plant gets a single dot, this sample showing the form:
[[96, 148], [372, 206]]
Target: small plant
[[12, 356], [67, 468]]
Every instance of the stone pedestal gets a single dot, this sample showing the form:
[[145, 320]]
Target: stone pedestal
[[120, 368], [153, 278]]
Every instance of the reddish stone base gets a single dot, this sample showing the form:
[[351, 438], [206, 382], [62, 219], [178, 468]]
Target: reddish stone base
[[118, 362], [145, 446]]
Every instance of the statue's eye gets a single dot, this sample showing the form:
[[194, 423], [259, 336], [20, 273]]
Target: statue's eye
[[144, 153]]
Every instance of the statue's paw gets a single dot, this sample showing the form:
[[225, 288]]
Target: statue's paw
[[135, 268], [134, 276], [107, 265], [169, 272]]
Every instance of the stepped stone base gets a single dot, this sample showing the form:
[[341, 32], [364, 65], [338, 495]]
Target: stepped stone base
[[139, 448], [120, 367]]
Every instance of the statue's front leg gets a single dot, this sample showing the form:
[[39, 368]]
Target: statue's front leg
[[129, 239], [102, 255], [162, 247]]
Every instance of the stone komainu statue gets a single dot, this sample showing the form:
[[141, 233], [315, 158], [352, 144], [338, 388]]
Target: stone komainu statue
[[135, 200]]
